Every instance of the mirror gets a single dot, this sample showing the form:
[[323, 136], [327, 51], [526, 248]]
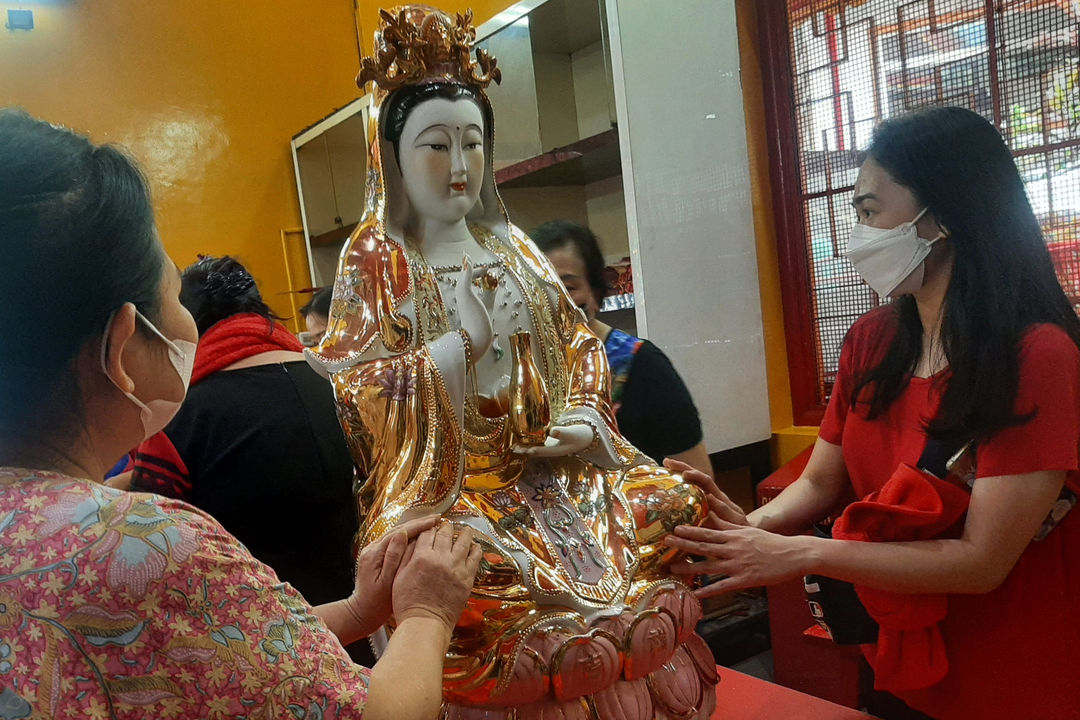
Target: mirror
[[330, 160]]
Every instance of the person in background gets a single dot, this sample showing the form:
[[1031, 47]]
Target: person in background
[[974, 580], [257, 442], [652, 404], [316, 316], [128, 604]]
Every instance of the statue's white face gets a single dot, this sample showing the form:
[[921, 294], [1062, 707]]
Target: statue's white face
[[441, 154]]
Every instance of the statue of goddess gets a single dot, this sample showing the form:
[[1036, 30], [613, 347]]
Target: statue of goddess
[[469, 385]]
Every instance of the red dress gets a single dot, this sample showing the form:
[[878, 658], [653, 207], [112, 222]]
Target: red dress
[[1013, 652]]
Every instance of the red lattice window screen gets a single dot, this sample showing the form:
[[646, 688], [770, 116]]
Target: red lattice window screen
[[834, 68]]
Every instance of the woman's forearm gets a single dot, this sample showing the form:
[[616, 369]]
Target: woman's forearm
[[822, 486], [406, 683], [1003, 515], [924, 566], [342, 622], [799, 506]]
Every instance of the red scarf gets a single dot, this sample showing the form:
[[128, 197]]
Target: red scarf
[[237, 338], [156, 464], [911, 505]]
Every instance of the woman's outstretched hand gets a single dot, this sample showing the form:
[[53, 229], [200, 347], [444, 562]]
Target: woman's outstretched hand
[[437, 575], [720, 505], [747, 556]]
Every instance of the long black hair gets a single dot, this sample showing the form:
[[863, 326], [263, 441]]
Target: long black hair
[[1002, 282], [77, 241], [215, 288], [558, 234]]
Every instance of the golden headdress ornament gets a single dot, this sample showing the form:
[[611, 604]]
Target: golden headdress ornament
[[417, 43]]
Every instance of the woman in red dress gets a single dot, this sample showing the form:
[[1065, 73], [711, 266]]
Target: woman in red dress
[[980, 344]]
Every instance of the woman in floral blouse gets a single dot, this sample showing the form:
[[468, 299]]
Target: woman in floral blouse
[[129, 605]]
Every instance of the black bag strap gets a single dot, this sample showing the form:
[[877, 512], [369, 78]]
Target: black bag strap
[[937, 454]]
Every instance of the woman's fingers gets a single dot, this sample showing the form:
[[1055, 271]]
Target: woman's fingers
[[718, 500], [694, 476], [412, 528], [732, 505], [700, 567], [410, 549], [472, 561], [676, 465], [726, 512], [425, 540], [695, 547], [713, 534], [409, 530], [462, 542], [395, 551], [443, 542]]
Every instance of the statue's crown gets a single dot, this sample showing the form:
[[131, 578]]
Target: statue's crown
[[418, 43]]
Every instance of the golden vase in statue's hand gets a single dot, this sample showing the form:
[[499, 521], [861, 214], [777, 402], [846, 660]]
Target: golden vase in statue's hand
[[529, 414]]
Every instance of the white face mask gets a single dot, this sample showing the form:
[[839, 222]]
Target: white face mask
[[890, 260], [156, 414]]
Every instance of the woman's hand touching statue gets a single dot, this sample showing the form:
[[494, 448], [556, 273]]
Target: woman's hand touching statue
[[720, 505], [437, 575], [376, 568]]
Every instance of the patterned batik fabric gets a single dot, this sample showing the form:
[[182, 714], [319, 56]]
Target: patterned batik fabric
[[128, 605], [620, 348]]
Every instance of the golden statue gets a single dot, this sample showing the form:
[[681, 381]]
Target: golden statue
[[469, 385]]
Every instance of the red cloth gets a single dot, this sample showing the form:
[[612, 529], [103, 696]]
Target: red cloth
[[1015, 651], [160, 467], [237, 338], [912, 505], [155, 463]]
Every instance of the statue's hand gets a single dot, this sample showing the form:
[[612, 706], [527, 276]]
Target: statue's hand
[[562, 440], [474, 316]]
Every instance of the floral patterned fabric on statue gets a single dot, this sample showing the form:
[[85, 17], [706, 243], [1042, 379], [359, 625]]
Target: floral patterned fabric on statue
[[129, 605]]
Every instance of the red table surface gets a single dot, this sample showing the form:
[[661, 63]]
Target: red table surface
[[742, 697]]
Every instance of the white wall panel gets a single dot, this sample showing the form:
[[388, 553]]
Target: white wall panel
[[690, 225]]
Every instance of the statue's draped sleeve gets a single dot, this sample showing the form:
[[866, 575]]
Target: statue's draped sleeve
[[400, 400]]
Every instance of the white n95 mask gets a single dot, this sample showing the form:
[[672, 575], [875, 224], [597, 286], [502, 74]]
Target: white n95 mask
[[890, 259], [156, 414]]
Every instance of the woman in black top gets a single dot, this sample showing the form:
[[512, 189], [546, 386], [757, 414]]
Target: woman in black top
[[652, 405], [257, 442]]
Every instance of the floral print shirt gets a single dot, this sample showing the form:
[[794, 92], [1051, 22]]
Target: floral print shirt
[[121, 604]]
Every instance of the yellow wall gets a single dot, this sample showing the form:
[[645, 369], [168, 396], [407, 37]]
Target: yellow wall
[[368, 12], [206, 94]]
